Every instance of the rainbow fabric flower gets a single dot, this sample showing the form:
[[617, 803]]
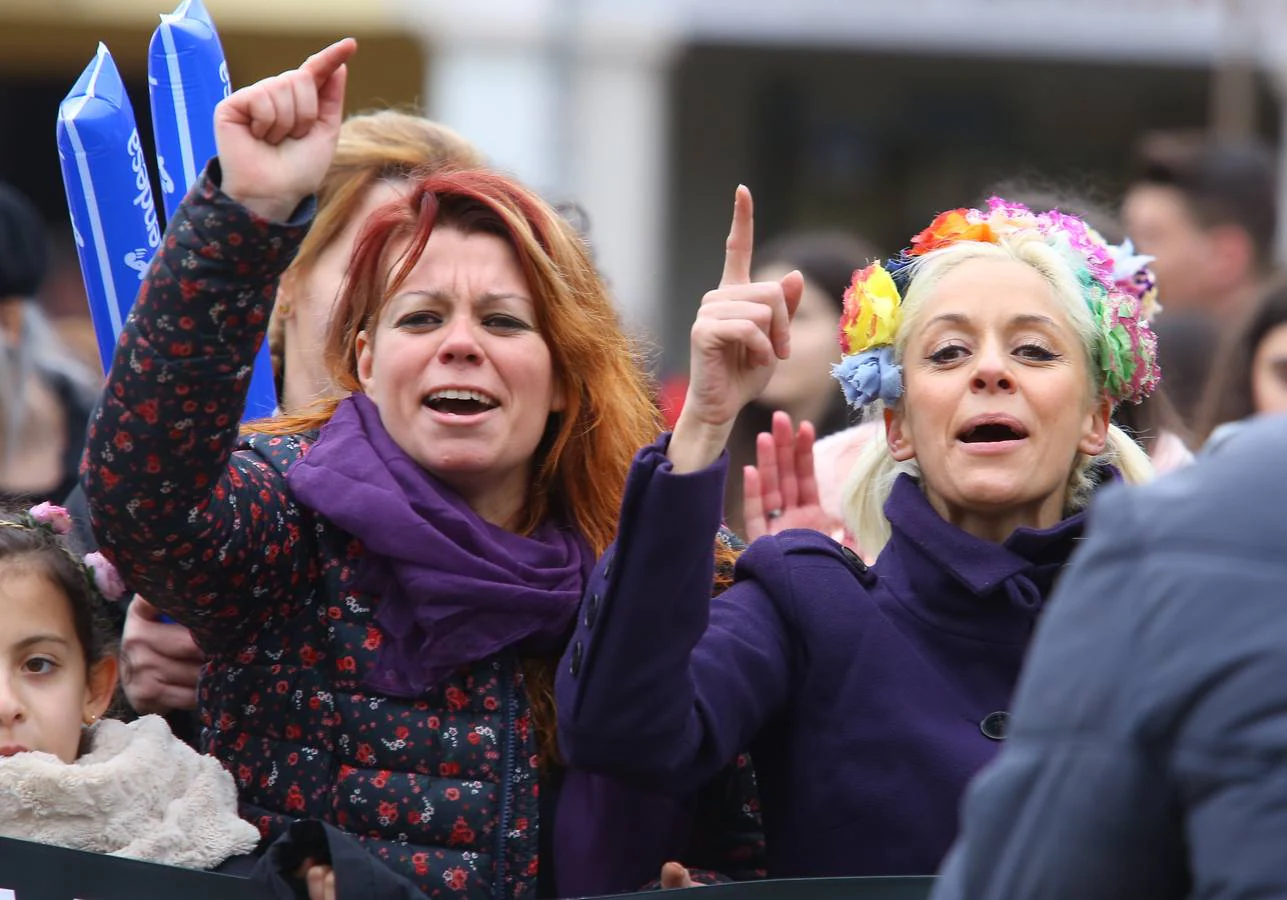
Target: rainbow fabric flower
[[951, 227], [872, 311], [1119, 288]]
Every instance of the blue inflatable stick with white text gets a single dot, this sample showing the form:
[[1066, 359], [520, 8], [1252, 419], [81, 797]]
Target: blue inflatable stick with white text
[[109, 195], [187, 76]]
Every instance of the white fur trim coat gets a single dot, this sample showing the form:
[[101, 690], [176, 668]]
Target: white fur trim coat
[[138, 792]]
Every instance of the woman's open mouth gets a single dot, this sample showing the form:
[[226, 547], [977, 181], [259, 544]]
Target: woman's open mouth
[[460, 402], [992, 434]]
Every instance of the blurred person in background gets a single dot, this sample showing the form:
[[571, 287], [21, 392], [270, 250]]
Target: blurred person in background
[[1249, 376], [1206, 210], [46, 393], [376, 154]]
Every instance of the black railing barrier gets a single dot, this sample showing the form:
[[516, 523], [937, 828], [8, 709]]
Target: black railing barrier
[[41, 872]]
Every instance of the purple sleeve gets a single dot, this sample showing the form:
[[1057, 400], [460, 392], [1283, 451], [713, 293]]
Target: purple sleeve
[[660, 682], [203, 533]]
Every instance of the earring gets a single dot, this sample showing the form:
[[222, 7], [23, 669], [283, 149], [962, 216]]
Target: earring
[[90, 721], [284, 307]]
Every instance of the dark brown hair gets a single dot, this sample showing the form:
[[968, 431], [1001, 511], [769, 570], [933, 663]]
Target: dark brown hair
[[1228, 395], [1223, 182]]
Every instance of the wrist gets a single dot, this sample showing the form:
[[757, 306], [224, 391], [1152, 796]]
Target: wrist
[[695, 445], [274, 209]]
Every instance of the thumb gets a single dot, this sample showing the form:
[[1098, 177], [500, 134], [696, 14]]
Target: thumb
[[330, 97], [143, 609], [792, 284], [792, 290], [674, 876]]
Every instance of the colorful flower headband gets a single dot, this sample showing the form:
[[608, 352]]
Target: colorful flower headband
[[100, 573], [1119, 288]]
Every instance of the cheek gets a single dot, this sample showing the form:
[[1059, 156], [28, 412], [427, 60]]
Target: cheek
[[1269, 391]]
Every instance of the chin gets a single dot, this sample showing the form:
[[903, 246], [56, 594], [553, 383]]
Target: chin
[[998, 492], [447, 465]]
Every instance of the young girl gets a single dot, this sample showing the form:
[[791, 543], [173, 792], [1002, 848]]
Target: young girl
[[68, 776]]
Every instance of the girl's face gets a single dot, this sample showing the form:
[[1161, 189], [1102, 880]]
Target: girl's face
[[46, 691]]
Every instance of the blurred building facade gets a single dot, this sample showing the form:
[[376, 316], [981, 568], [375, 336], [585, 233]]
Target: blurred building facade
[[864, 114]]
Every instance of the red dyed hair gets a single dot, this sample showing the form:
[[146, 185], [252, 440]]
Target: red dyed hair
[[579, 472]]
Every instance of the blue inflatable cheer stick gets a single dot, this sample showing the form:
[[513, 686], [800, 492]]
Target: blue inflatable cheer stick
[[187, 76], [109, 195]]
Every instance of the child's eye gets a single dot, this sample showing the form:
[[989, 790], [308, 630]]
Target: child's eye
[[39, 665]]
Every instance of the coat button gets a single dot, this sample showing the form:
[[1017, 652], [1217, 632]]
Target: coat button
[[592, 611], [995, 725], [854, 559], [578, 651], [607, 568]]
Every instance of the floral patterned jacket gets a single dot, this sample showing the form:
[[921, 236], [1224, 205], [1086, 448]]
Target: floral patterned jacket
[[445, 788]]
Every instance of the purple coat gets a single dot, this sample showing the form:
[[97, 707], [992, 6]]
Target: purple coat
[[868, 697]]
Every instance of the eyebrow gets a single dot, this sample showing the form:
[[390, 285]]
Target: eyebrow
[[41, 639], [1022, 319], [486, 299]]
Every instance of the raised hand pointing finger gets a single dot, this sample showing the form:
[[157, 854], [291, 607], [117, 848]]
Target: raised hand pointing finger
[[276, 138], [330, 74], [741, 240]]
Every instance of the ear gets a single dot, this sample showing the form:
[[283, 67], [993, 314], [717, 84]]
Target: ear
[[1094, 437], [896, 435], [100, 687], [364, 347], [284, 305]]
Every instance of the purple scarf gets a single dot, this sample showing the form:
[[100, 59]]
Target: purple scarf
[[452, 588]]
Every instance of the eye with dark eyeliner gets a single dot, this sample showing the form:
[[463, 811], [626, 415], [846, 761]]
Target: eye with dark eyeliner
[[502, 322], [947, 354], [1035, 352], [418, 319]]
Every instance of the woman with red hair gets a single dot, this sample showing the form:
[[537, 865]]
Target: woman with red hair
[[383, 583]]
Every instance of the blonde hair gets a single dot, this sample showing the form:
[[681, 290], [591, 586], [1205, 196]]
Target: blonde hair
[[873, 474], [372, 146]]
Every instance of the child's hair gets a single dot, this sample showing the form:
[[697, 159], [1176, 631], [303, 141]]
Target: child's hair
[[36, 539]]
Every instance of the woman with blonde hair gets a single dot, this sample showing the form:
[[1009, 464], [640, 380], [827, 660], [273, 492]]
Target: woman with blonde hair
[[375, 157], [994, 349], [383, 582]]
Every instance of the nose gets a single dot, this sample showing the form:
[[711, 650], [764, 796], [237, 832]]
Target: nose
[[992, 371], [460, 342], [12, 709]]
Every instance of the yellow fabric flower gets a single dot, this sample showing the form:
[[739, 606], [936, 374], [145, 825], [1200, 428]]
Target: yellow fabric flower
[[873, 311]]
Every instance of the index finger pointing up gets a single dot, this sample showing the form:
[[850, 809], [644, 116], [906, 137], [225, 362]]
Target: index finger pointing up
[[741, 238], [324, 63]]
